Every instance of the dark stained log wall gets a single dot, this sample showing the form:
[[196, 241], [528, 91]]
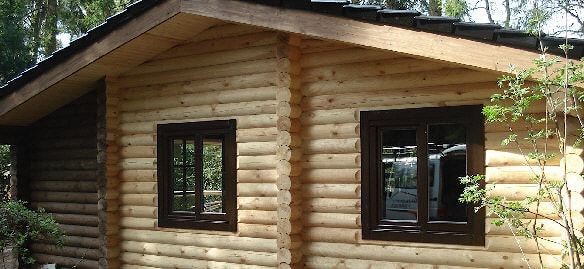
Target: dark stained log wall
[[61, 165]]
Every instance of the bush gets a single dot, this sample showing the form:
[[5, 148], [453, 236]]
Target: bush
[[20, 225]]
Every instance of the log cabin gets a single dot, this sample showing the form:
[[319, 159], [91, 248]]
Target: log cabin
[[307, 104]]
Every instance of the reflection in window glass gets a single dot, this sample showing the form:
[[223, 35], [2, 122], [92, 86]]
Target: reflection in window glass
[[183, 176], [446, 164], [212, 174], [399, 169]]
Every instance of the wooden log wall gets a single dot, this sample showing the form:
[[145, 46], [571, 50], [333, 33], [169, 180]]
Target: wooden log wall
[[228, 71], [61, 164], [297, 104], [337, 83]]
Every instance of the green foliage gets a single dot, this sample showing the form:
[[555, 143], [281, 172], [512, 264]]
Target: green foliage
[[4, 172], [21, 225]]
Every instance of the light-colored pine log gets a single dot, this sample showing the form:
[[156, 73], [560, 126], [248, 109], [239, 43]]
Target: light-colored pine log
[[575, 182], [133, 266], [514, 192], [332, 235], [256, 176], [226, 30], [257, 230], [521, 174], [257, 134], [201, 73], [510, 244], [332, 205], [344, 263], [311, 45], [256, 148], [256, 162], [138, 187], [161, 261], [138, 152], [249, 81], [514, 157], [139, 199], [257, 203], [338, 191], [572, 163], [138, 223], [139, 211], [200, 239], [253, 39], [378, 67], [201, 98], [138, 175], [332, 220], [331, 131], [235, 55], [257, 217], [288, 139], [332, 161], [316, 146], [138, 163], [493, 142], [256, 190], [138, 140], [397, 81], [198, 253], [342, 56], [466, 257], [203, 111], [334, 116], [322, 176]]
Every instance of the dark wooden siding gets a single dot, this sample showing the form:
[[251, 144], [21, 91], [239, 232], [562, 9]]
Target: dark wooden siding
[[61, 163]]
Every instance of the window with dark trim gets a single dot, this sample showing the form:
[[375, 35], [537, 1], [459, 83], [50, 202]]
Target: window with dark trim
[[412, 160], [197, 175]]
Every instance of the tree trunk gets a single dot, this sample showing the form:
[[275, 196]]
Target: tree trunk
[[488, 11]]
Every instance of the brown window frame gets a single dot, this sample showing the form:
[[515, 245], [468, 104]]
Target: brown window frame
[[374, 227], [166, 133]]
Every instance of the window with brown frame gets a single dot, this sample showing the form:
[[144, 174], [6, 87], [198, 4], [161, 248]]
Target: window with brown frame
[[197, 175], [412, 160]]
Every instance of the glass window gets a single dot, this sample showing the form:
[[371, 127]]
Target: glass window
[[412, 161]]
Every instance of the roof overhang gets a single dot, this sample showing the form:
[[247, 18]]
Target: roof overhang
[[173, 22]]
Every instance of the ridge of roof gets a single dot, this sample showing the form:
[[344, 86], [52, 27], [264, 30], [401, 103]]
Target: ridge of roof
[[408, 19]]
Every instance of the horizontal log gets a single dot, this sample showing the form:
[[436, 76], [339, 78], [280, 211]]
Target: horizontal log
[[66, 251], [332, 235], [256, 190], [200, 239], [70, 197], [371, 68], [137, 187], [252, 39], [66, 261], [138, 223], [64, 186], [322, 176], [332, 161], [332, 116], [521, 174], [332, 205], [256, 135], [514, 192], [77, 164], [257, 176], [138, 175], [203, 254], [512, 244], [76, 230], [139, 199], [332, 220], [84, 242], [342, 56], [160, 261], [248, 81], [257, 203], [67, 154], [68, 175], [256, 162], [493, 142], [310, 45], [331, 262], [331, 131], [234, 55], [138, 152], [70, 143], [424, 255], [257, 217], [77, 219], [139, 211], [256, 148], [138, 163], [257, 230], [203, 111], [514, 157], [338, 191], [350, 145], [87, 209]]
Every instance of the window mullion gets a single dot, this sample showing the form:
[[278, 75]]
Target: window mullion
[[422, 161], [198, 175]]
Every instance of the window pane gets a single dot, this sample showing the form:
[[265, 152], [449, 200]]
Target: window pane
[[190, 152], [183, 198], [213, 174], [399, 169], [177, 151], [447, 163]]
